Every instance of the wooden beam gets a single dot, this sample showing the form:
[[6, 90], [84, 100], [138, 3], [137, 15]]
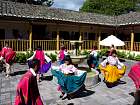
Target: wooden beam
[[30, 38], [57, 39], [80, 39], [99, 39], [132, 39]]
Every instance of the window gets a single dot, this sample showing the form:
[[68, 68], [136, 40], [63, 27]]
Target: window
[[91, 36], [15, 33], [2, 33]]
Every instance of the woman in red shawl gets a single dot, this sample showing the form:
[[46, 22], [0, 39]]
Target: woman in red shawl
[[27, 92], [134, 74], [8, 56]]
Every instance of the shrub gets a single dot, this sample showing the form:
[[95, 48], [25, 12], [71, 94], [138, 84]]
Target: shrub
[[53, 57], [130, 56], [29, 54], [21, 58], [121, 54], [85, 52], [137, 57], [103, 52]]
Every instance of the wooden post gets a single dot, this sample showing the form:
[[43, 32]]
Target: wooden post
[[30, 38], [99, 39], [80, 39], [57, 39], [132, 39]]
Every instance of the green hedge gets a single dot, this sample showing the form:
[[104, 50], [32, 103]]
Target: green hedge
[[121, 54], [22, 57]]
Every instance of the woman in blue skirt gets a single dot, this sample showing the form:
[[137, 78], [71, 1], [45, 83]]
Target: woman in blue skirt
[[69, 78]]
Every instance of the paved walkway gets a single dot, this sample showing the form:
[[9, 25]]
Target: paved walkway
[[99, 95]]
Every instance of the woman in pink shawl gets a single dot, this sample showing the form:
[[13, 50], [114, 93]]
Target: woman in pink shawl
[[62, 54], [45, 61], [134, 74]]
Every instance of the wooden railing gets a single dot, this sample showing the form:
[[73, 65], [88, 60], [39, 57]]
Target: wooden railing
[[87, 44], [17, 45], [23, 45], [127, 46], [45, 44], [66, 43]]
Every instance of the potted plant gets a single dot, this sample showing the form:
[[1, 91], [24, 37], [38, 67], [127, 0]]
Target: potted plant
[[92, 77]]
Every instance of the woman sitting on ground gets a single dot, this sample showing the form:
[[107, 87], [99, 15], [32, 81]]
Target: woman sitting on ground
[[68, 79], [112, 69]]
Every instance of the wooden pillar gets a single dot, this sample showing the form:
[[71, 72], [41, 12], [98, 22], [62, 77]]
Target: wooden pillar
[[99, 39], [30, 38], [57, 39], [80, 39], [132, 39], [96, 36]]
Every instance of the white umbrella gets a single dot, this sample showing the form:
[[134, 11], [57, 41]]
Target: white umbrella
[[111, 40]]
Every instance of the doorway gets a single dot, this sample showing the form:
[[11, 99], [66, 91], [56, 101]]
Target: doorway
[[39, 32]]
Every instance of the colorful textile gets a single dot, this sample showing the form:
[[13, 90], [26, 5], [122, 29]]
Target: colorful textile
[[69, 84], [8, 54], [40, 56], [112, 73], [45, 62], [61, 62], [45, 67], [134, 74], [66, 69], [114, 61], [62, 54], [93, 61], [27, 92]]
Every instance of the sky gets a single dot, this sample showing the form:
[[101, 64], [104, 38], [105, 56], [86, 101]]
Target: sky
[[68, 4]]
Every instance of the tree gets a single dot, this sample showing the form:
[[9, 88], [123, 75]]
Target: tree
[[110, 7], [36, 2]]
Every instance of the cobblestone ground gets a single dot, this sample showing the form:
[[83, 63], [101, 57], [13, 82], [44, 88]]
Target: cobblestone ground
[[98, 95]]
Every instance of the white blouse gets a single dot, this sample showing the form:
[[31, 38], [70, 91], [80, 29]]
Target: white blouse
[[94, 53], [66, 69], [114, 61]]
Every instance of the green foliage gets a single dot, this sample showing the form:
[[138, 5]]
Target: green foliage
[[110, 7], [53, 57], [131, 56], [121, 54], [20, 58], [85, 52], [137, 57], [29, 54], [103, 52]]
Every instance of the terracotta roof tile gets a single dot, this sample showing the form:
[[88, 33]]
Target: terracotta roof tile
[[14, 9]]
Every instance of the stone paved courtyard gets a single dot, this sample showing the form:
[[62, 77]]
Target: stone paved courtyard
[[98, 95]]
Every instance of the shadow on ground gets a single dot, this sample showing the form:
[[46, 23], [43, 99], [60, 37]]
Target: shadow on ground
[[120, 82], [18, 73], [47, 78], [83, 94]]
